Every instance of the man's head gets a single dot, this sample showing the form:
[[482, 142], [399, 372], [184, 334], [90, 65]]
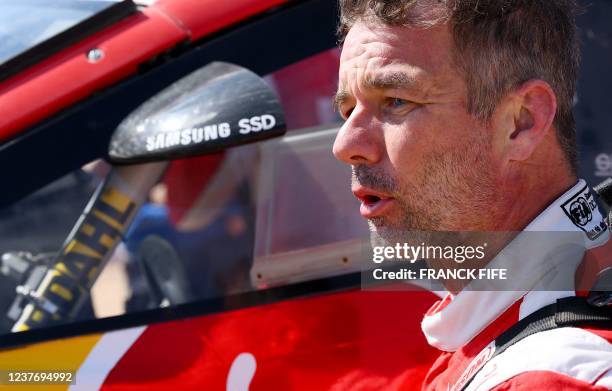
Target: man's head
[[455, 110]]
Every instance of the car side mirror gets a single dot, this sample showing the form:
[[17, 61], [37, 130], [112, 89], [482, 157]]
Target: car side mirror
[[219, 106]]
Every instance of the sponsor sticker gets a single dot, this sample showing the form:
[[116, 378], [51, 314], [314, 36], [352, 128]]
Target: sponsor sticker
[[209, 133], [581, 208]]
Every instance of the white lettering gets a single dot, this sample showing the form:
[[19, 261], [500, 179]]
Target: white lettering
[[245, 128], [377, 275], [255, 124], [150, 143], [210, 132], [197, 135], [268, 121], [173, 138], [378, 257], [224, 130], [186, 137], [159, 141]]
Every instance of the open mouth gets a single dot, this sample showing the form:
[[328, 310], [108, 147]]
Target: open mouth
[[373, 203], [370, 199]]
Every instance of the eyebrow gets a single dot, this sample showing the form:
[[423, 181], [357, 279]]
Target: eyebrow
[[391, 80], [340, 97], [385, 81]]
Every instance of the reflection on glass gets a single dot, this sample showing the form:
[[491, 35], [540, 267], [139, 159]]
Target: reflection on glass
[[26, 23], [194, 237]]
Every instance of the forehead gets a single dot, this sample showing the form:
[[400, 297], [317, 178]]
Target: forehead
[[371, 49]]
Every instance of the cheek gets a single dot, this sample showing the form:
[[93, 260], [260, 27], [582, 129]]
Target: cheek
[[403, 147], [409, 143]]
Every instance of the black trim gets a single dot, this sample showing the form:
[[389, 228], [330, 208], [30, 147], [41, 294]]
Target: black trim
[[263, 46], [565, 312], [206, 307], [67, 38], [604, 192]]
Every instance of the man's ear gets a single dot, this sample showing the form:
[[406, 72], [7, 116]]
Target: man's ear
[[533, 107]]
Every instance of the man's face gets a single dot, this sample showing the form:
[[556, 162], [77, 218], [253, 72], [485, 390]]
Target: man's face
[[420, 161]]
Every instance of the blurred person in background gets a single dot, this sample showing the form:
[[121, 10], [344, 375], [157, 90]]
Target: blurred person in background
[[202, 211]]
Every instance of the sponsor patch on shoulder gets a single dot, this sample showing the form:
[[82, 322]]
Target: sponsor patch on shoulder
[[582, 210]]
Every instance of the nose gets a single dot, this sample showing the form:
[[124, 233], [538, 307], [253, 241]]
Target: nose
[[359, 140]]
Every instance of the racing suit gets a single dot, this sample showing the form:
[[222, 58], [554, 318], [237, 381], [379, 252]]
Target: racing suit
[[465, 326]]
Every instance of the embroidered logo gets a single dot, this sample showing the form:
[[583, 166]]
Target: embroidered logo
[[582, 210]]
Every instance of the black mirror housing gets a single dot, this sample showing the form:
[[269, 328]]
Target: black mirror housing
[[219, 106]]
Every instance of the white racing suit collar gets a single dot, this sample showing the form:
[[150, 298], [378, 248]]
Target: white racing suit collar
[[463, 316]]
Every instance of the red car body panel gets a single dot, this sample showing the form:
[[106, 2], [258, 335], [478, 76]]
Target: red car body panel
[[203, 17], [337, 341], [67, 77]]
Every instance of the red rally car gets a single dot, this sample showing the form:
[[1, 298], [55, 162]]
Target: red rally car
[[154, 235]]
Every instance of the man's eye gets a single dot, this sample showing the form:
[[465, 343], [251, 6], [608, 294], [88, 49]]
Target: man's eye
[[398, 106], [396, 102]]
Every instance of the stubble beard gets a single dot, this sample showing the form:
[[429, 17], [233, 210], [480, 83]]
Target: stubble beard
[[456, 192]]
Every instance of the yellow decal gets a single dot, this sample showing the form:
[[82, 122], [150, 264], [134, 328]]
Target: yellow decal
[[77, 268], [37, 316], [117, 200], [64, 354], [108, 220], [107, 241], [88, 229], [61, 291], [80, 248]]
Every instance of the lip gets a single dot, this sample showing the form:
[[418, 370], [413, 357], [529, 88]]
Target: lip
[[373, 203]]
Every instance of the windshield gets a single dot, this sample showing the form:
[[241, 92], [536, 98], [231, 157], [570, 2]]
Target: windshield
[[26, 23]]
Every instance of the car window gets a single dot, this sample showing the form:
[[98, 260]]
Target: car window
[[26, 23], [307, 88], [210, 225], [308, 223], [33, 230]]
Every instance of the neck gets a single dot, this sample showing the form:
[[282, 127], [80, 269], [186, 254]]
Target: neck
[[527, 196], [523, 196]]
